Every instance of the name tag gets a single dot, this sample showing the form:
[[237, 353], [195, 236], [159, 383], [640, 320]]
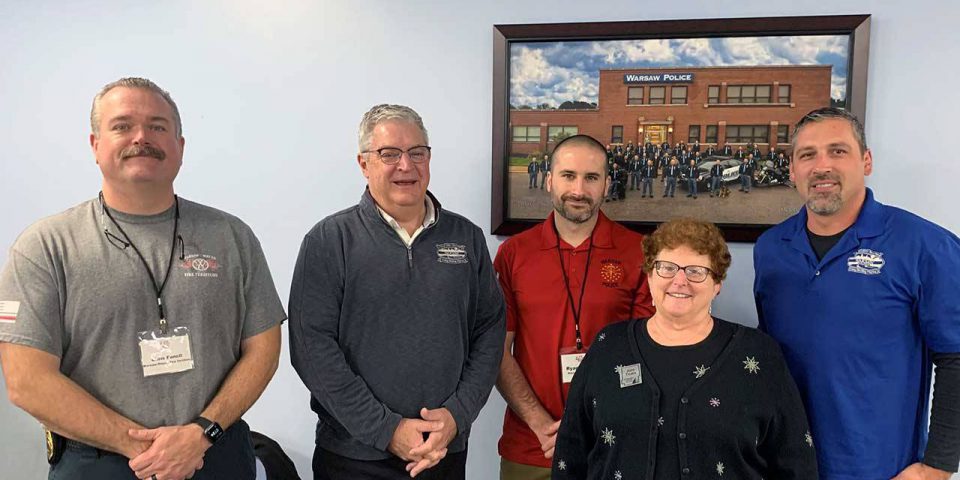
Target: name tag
[[630, 375], [160, 354], [569, 363]]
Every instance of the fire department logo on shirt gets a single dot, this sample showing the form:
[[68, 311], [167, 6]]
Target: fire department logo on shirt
[[451, 253], [611, 272], [200, 266], [865, 261]]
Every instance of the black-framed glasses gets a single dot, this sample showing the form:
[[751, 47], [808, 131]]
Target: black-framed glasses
[[694, 273], [391, 155]]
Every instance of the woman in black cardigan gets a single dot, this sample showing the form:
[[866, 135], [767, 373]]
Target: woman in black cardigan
[[684, 395]]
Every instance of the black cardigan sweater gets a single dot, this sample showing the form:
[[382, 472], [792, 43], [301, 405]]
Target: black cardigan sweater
[[742, 419]]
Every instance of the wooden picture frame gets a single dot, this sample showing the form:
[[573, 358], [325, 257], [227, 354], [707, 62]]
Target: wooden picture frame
[[711, 81]]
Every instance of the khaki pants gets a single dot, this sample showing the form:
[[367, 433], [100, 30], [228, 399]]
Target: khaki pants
[[518, 471]]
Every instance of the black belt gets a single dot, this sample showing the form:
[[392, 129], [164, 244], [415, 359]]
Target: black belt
[[80, 446]]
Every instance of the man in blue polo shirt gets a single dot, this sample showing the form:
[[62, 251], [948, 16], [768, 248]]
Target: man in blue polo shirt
[[863, 299]]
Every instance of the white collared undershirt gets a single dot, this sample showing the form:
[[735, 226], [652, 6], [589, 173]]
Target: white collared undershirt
[[428, 219]]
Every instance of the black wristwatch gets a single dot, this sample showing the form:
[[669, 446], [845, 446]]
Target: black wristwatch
[[212, 430]]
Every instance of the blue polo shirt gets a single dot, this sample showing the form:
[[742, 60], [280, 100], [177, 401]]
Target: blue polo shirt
[[857, 330]]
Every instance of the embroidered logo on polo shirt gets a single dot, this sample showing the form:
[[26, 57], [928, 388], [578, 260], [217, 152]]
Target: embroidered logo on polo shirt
[[611, 272], [8, 311], [452, 253], [199, 265], [865, 261]]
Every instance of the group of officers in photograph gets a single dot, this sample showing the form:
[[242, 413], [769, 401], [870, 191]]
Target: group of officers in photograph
[[637, 168], [139, 326]]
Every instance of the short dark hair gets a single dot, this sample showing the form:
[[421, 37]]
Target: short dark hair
[[581, 140], [827, 113]]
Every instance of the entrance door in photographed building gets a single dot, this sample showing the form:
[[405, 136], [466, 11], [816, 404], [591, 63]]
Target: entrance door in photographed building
[[655, 134]]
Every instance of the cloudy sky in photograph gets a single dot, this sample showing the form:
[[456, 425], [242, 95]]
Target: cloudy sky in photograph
[[554, 72]]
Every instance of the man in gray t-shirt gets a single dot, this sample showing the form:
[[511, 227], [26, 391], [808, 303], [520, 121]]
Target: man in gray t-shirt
[[140, 326]]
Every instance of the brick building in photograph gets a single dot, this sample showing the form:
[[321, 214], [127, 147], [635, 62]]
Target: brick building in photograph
[[715, 105]]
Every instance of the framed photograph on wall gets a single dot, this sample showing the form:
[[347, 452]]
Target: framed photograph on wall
[[710, 93]]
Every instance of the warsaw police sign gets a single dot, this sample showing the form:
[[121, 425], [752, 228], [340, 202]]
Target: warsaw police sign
[[635, 78]]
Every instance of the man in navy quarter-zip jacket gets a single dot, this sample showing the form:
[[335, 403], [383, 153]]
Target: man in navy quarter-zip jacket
[[396, 318]]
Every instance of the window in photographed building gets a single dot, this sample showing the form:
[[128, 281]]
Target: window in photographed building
[[616, 135], [658, 95], [526, 134], [678, 95], [634, 95], [783, 96], [561, 131], [748, 94], [748, 133], [713, 94], [711, 134], [783, 133], [694, 134]]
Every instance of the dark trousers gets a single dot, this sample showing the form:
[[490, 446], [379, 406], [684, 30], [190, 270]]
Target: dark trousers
[[647, 187], [692, 187], [671, 187], [232, 457], [330, 466], [533, 181]]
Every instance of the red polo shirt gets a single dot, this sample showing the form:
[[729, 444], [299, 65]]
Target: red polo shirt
[[539, 310]]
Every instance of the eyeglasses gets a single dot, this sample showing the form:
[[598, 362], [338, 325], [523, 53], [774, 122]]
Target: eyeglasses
[[694, 273], [391, 156]]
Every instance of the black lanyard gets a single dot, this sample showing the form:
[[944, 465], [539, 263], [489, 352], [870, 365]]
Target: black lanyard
[[173, 244], [576, 309]]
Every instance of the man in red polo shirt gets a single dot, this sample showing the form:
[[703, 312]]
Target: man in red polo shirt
[[563, 281]]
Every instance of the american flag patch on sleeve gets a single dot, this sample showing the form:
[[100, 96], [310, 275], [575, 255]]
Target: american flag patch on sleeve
[[8, 311]]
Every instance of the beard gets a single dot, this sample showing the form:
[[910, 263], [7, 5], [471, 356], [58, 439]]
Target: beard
[[825, 203], [575, 216]]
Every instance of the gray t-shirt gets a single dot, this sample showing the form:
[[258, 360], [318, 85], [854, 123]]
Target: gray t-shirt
[[84, 298]]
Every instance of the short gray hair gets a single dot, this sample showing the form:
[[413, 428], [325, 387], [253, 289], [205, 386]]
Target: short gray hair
[[386, 112], [828, 113], [133, 82]]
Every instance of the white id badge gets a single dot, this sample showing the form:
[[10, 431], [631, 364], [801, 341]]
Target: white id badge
[[160, 354], [630, 375], [570, 359]]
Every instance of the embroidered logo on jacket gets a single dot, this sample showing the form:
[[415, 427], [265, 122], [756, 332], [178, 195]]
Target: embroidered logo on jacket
[[200, 266], [611, 272], [451, 253], [865, 261]]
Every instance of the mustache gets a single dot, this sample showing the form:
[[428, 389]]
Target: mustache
[[142, 151], [576, 198], [823, 176]]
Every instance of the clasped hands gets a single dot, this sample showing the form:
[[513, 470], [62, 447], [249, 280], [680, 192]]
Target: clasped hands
[[408, 439], [167, 453]]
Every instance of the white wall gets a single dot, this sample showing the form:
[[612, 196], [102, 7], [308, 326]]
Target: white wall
[[271, 93]]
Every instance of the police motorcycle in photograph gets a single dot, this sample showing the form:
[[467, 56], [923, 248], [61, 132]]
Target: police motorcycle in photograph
[[768, 176]]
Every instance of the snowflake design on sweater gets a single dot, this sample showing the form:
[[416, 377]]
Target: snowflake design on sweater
[[608, 436], [751, 365], [714, 402], [660, 422], [601, 337], [720, 468], [617, 475], [561, 465], [808, 438], [700, 371], [617, 369]]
